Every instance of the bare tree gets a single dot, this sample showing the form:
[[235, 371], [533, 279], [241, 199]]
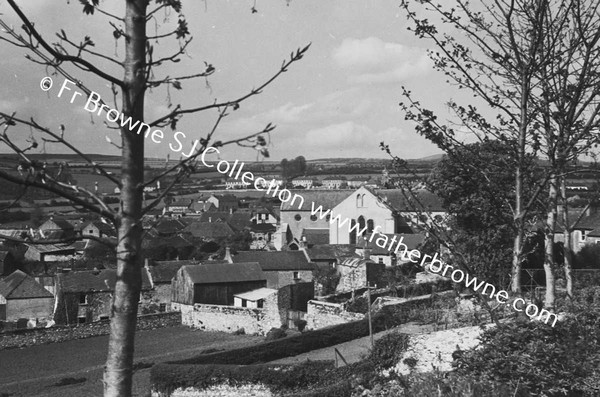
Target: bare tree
[[70, 58], [533, 65]]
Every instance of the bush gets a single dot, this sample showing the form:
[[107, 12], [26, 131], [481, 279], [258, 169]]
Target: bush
[[388, 350], [300, 324], [275, 333], [550, 361]]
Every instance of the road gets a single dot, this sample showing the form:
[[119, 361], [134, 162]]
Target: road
[[34, 371]]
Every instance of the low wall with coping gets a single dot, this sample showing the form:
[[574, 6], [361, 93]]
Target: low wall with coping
[[324, 314], [225, 318]]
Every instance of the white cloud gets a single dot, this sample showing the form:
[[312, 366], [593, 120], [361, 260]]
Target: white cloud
[[373, 60]]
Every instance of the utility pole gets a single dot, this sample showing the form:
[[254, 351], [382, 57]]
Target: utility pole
[[369, 313]]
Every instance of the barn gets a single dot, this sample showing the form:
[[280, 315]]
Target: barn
[[23, 297], [216, 283]]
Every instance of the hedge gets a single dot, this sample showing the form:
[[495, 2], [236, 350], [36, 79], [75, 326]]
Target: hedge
[[289, 346]]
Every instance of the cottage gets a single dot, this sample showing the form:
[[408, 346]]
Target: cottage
[[161, 275], [359, 273], [281, 268], [59, 228], [86, 296], [22, 297], [215, 283], [98, 229], [334, 182], [224, 202]]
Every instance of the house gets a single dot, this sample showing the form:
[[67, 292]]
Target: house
[[161, 275], [358, 273], [305, 182], [49, 252], [298, 216], [86, 296], [22, 297], [180, 206], [281, 268], [585, 228], [98, 229], [224, 202], [334, 182], [236, 184], [236, 220], [215, 283], [261, 235], [254, 298], [331, 254], [419, 208], [263, 215], [59, 228]]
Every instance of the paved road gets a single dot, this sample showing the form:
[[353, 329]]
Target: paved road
[[34, 371]]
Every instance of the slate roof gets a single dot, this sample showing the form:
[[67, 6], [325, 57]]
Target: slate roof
[[412, 241], [331, 251], [105, 228], [22, 286], [256, 294], [263, 227], [399, 202], [316, 236], [62, 224], [164, 271], [326, 198], [170, 226], [215, 273], [51, 248], [275, 260], [94, 281], [209, 230]]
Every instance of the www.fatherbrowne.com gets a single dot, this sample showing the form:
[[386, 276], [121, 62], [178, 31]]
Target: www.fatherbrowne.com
[[436, 265]]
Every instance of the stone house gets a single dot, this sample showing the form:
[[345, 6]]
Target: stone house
[[161, 275], [22, 297], [86, 296], [215, 283], [359, 273], [58, 228], [281, 268], [585, 231], [179, 207]]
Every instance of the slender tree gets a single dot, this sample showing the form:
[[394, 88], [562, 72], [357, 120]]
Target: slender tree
[[71, 58]]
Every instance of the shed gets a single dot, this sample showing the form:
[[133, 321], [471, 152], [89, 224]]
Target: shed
[[254, 298], [215, 283]]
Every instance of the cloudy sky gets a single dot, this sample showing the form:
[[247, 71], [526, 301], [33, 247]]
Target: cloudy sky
[[341, 100]]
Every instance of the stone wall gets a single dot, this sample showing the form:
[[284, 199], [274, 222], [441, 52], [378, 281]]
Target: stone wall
[[324, 314], [225, 390], [39, 336], [225, 318]]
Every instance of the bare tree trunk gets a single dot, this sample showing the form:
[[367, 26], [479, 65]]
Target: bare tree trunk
[[568, 244], [119, 363], [549, 242]]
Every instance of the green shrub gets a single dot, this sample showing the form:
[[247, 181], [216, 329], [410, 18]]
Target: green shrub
[[388, 350], [550, 361]]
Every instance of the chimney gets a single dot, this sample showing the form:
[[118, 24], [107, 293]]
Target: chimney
[[366, 253], [227, 256]]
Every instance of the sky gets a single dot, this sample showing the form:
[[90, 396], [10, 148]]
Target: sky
[[340, 100]]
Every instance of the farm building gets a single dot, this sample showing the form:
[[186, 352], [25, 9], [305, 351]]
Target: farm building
[[22, 297], [215, 283], [281, 268]]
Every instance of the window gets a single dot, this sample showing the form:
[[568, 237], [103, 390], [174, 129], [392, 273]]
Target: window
[[370, 226], [83, 299], [91, 231], [297, 217], [243, 302], [259, 304], [380, 259], [327, 217], [162, 307], [361, 225], [81, 320], [296, 275], [313, 218], [582, 235]]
